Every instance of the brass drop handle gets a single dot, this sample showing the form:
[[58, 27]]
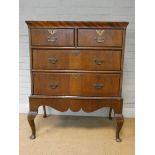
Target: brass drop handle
[[98, 85], [99, 61], [52, 39], [53, 85], [99, 39], [52, 60]]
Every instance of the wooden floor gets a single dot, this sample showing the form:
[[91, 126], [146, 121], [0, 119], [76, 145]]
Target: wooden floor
[[74, 135]]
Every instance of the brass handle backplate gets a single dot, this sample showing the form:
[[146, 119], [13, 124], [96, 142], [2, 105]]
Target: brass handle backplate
[[52, 60], [100, 38], [53, 85], [52, 31], [52, 38], [98, 85], [100, 32], [98, 61]]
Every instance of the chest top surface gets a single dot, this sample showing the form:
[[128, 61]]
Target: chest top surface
[[86, 24]]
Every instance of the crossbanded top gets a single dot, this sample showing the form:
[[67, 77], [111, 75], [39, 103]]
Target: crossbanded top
[[76, 24]]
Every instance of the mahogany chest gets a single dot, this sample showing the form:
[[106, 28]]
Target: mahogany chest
[[76, 65]]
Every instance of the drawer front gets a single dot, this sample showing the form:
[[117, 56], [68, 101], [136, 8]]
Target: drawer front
[[77, 59], [52, 37], [76, 84], [100, 37]]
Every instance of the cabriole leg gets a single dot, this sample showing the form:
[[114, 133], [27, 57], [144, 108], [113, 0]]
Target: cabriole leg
[[31, 115], [120, 121]]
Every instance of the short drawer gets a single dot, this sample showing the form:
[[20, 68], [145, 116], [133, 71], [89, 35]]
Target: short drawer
[[100, 37], [52, 37], [77, 59], [76, 84]]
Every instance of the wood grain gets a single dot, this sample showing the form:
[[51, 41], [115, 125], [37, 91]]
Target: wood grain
[[110, 37], [63, 37], [77, 59], [76, 84], [76, 24]]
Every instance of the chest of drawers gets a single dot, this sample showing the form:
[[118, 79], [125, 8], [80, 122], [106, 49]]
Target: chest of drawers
[[76, 65]]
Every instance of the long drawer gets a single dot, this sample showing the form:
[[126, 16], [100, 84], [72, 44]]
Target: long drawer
[[76, 84], [52, 37], [77, 59], [100, 37]]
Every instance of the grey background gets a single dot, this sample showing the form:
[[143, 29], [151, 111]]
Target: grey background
[[76, 10]]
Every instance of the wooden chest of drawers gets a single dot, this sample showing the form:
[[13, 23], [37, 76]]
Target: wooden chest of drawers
[[76, 65]]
